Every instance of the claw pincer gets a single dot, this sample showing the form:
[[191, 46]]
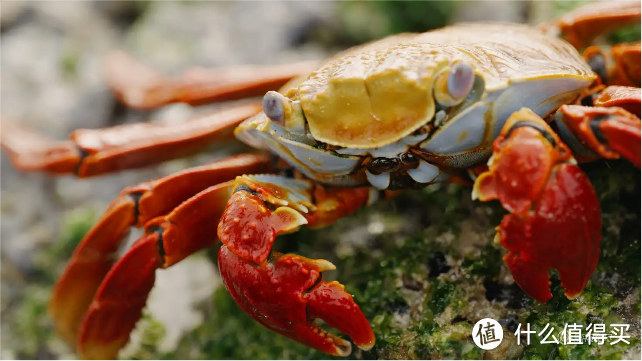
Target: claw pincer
[[285, 293], [555, 220]]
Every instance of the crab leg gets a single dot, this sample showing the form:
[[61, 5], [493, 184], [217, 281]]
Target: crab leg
[[141, 87], [285, 293], [117, 304], [96, 253], [602, 132], [618, 65], [91, 152], [627, 98], [121, 297], [580, 26], [609, 128], [555, 218]]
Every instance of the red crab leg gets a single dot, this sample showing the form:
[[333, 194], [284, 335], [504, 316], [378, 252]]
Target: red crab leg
[[137, 205], [618, 65], [91, 152], [121, 297], [602, 132], [555, 218], [580, 26], [285, 293], [118, 303], [627, 98], [139, 86]]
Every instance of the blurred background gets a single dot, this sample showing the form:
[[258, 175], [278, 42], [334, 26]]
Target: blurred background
[[51, 81]]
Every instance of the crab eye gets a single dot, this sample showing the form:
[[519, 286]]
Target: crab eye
[[284, 112], [460, 80], [273, 106], [452, 85]]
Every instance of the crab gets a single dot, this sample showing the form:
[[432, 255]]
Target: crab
[[508, 108]]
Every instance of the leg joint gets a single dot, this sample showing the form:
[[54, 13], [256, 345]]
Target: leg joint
[[159, 244], [549, 137], [135, 197], [244, 188], [595, 127]]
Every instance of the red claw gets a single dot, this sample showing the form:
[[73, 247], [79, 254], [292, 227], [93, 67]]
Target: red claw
[[329, 302], [286, 294], [555, 220], [249, 228], [562, 231]]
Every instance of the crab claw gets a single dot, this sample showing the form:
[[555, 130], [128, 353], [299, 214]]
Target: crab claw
[[608, 132], [249, 228], [287, 293], [555, 220]]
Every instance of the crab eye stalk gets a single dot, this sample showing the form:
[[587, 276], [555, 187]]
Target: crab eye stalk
[[460, 80], [274, 106], [284, 112], [453, 84]]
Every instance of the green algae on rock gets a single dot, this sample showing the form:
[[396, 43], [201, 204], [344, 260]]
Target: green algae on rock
[[424, 289]]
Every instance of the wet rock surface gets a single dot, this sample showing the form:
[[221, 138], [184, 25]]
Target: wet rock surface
[[423, 266]]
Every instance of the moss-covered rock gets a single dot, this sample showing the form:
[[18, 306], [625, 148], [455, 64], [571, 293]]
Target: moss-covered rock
[[424, 288]]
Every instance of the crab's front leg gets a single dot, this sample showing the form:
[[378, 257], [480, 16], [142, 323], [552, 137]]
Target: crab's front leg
[[555, 218], [285, 293]]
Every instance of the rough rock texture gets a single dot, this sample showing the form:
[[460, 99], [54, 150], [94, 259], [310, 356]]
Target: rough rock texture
[[423, 266]]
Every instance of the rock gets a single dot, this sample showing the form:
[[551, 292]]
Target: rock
[[13, 14]]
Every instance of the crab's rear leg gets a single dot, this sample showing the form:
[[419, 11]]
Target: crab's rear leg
[[92, 152], [96, 253], [610, 129], [580, 26], [141, 87], [121, 297], [627, 98], [555, 218], [285, 293], [616, 65]]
